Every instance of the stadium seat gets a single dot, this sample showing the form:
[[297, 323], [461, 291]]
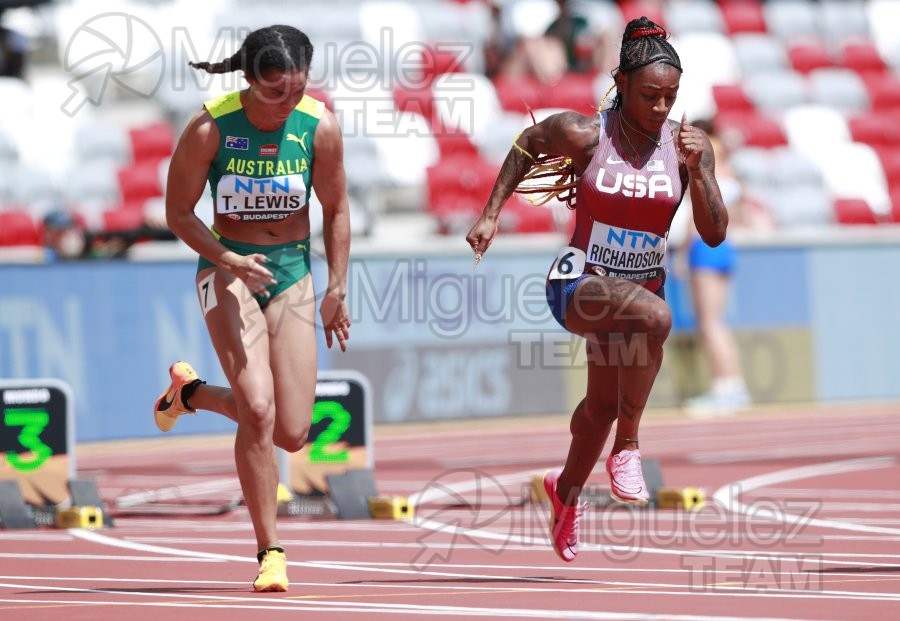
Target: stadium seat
[[895, 206], [752, 165], [752, 129], [816, 127], [876, 129], [731, 98], [854, 171], [458, 188], [884, 25], [854, 211], [708, 59], [839, 88], [152, 142], [466, 101], [843, 20], [123, 219], [790, 20], [139, 182], [497, 141], [690, 16], [791, 168], [863, 58], [573, 92], [632, 9], [884, 91], [801, 207], [519, 94], [436, 60], [102, 140], [805, 57], [407, 151], [452, 143], [530, 18], [743, 16], [418, 100], [890, 163], [776, 91], [759, 52], [520, 216], [18, 228]]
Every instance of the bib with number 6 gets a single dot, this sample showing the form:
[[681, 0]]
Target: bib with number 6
[[569, 264]]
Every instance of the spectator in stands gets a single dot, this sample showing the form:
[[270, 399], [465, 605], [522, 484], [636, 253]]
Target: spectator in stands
[[628, 167], [13, 49], [570, 43], [65, 239], [710, 271], [262, 150]]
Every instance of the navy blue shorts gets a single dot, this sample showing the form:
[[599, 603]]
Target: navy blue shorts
[[719, 259], [560, 291]]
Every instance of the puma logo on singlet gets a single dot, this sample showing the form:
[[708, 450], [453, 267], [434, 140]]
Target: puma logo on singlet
[[301, 140]]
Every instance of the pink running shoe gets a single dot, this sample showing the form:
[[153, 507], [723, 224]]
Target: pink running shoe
[[626, 479], [563, 520]]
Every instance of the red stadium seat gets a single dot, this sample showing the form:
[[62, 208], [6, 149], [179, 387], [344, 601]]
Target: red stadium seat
[[895, 205], [575, 91], [756, 130], [458, 188], [435, 62], [519, 94], [808, 56], [731, 98], [864, 58], [632, 9], [115, 220], [853, 211], [876, 129], [890, 163], [419, 100], [454, 142], [18, 228], [140, 182], [520, 216], [152, 142], [884, 91], [743, 16]]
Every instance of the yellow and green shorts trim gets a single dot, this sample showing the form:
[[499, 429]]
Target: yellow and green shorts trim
[[289, 263]]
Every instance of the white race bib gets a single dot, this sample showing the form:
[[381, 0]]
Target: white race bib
[[624, 250], [569, 264]]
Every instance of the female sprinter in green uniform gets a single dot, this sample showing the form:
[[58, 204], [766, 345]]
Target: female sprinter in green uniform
[[261, 149]]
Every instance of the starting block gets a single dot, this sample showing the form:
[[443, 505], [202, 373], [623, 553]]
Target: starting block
[[685, 498], [14, 511], [661, 497], [390, 508], [80, 517]]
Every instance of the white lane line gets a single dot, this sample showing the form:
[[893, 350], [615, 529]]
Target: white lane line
[[432, 610], [727, 495], [178, 492]]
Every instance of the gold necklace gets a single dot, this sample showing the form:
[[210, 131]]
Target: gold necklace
[[636, 155], [658, 142]]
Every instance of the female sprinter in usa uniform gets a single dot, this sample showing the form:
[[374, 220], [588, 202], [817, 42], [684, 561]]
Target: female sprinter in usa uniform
[[631, 167], [261, 150]]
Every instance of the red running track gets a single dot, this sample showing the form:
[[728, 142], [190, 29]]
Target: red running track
[[805, 524]]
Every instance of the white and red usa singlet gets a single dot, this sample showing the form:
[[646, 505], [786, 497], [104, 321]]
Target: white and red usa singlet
[[625, 206]]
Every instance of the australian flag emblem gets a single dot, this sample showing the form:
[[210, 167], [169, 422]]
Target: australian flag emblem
[[236, 142]]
